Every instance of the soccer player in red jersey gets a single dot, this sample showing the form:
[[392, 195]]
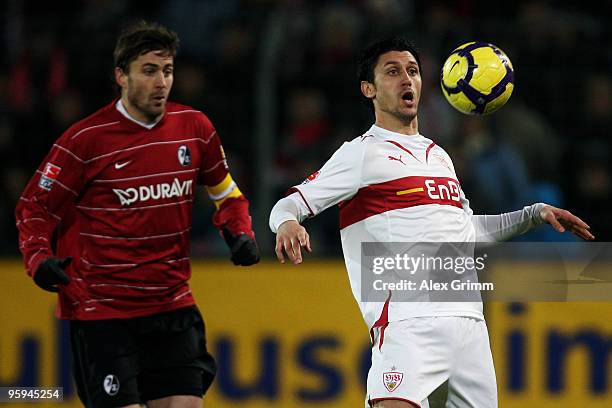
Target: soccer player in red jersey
[[392, 184], [117, 189]]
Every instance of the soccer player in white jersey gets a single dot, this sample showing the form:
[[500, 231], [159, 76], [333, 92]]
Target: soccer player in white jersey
[[388, 183]]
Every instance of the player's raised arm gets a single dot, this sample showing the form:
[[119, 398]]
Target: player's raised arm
[[502, 227]]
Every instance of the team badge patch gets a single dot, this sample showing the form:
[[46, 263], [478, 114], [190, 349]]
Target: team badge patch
[[50, 174], [392, 380], [184, 155], [311, 177], [111, 385]]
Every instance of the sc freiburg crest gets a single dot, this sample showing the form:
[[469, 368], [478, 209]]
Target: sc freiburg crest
[[184, 155]]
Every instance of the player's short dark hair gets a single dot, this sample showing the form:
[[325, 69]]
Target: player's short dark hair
[[140, 38], [369, 57]]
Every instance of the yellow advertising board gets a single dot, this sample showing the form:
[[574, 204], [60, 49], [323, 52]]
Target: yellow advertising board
[[552, 354], [286, 336]]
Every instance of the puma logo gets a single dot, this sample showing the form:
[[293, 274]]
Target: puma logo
[[397, 159]]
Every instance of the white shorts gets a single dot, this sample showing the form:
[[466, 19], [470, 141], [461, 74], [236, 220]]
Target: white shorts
[[413, 357]]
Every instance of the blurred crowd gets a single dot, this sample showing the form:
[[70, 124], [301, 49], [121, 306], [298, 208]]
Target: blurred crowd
[[548, 144]]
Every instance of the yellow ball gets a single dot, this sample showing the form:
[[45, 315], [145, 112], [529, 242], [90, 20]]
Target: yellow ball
[[477, 78]]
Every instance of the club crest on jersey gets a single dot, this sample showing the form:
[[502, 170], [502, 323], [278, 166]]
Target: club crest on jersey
[[311, 177], [48, 176], [392, 380], [111, 384], [184, 155]]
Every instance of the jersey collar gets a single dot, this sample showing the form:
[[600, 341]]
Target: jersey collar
[[119, 106], [387, 134]]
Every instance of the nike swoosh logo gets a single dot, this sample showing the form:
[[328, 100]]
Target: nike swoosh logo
[[122, 165], [453, 67]]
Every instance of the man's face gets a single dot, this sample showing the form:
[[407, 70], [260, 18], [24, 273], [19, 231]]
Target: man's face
[[397, 85], [147, 85]]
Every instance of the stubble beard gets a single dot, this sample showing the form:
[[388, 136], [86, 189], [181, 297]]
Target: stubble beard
[[396, 112], [404, 118], [149, 111]]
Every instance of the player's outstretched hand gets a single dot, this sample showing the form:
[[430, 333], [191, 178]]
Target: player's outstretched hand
[[290, 238], [563, 220], [52, 272], [245, 251]]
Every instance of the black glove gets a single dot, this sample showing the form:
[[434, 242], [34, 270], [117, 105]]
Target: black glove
[[244, 249], [51, 272]]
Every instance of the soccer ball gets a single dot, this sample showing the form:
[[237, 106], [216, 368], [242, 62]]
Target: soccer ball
[[477, 78]]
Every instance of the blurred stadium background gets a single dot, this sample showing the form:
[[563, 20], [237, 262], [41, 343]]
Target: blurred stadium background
[[278, 80]]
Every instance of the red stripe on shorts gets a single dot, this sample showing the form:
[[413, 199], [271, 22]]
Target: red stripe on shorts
[[382, 322]]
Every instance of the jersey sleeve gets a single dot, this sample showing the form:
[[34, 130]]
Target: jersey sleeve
[[289, 208], [339, 179], [47, 197], [465, 204], [214, 171], [232, 206], [505, 226], [213, 167]]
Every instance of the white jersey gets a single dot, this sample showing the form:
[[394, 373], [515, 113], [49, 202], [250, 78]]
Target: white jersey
[[392, 187]]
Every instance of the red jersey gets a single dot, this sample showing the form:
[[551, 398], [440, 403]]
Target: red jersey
[[121, 197]]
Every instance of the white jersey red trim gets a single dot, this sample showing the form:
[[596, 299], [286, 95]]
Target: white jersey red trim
[[393, 187]]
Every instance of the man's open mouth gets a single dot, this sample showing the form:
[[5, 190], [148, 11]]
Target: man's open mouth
[[408, 96]]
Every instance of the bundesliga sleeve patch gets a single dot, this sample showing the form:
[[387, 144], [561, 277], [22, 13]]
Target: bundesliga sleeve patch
[[312, 177], [50, 174]]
